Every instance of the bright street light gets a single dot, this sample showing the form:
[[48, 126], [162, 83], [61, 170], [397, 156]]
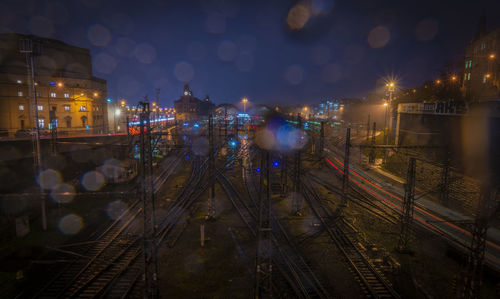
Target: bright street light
[[244, 100]]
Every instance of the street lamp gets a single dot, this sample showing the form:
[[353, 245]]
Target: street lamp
[[245, 100], [391, 86]]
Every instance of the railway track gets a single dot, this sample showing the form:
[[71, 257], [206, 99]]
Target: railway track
[[295, 271], [115, 252], [372, 281]]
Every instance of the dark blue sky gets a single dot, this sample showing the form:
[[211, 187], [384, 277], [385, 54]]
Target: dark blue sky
[[231, 49]]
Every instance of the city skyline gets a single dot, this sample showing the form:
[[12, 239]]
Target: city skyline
[[232, 50]]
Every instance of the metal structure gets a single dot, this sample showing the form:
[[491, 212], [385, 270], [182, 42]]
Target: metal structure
[[32, 48], [368, 129], [444, 187], [371, 158], [475, 259], [408, 208], [211, 169], [297, 199], [264, 266], [151, 288], [321, 139], [345, 177]]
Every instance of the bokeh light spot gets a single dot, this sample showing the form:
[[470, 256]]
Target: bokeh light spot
[[145, 53], [93, 180], [70, 224], [184, 71], [62, 193], [48, 178], [379, 37], [115, 209], [227, 51], [297, 17], [99, 35], [426, 30], [294, 74]]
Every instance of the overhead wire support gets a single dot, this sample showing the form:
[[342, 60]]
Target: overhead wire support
[[408, 209], [297, 199], [345, 177], [486, 211], [371, 159], [151, 287], [211, 169], [32, 48], [264, 266]]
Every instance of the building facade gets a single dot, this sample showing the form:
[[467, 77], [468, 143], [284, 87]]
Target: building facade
[[481, 76], [188, 107], [68, 96]]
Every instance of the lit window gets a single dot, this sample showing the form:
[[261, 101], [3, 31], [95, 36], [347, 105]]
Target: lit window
[[41, 123], [19, 81], [66, 107], [21, 107], [66, 95], [52, 94], [470, 63], [484, 79], [40, 107], [468, 76], [19, 93], [83, 108]]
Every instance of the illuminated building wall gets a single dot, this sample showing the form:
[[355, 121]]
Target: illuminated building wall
[[64, 84]]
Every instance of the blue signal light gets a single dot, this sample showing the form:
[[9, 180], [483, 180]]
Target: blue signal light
[[187, 157], [276, 163], [258, 169], [196, 125]]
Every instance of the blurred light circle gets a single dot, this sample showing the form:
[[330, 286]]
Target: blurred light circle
[[184, 71], [426, 30], [265, 139], [145, 53], [115, 209], [215, 23], [104, 63], [379, 37], [297, 17], [294, 74], [196, 51], [93, 180], [48, 178], [244, 62], [41, 26], [99, 35], [320, 55], [125, 47], [227, 51], [200, 146], [322, 6], [70, 224], [331, 73], [246, 43], [62, 193]]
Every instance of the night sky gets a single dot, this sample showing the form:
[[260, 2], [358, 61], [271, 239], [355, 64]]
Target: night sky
[[232, 49]]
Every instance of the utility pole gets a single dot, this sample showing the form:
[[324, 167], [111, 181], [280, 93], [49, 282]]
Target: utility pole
[[321, 139], [297, 199], [345, 178], [444, 190], [151, 288], [408, 207], [264, 267], [32, 48], [371, 159], [211, 169], [226, 121], [284, 173], [368, 129], [53, 131], [472, 281]]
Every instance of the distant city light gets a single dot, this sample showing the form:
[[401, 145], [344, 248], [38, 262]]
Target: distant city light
[[258, 169]]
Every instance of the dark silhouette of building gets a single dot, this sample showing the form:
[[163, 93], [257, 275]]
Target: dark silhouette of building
[[481, 76], [188, 107]]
